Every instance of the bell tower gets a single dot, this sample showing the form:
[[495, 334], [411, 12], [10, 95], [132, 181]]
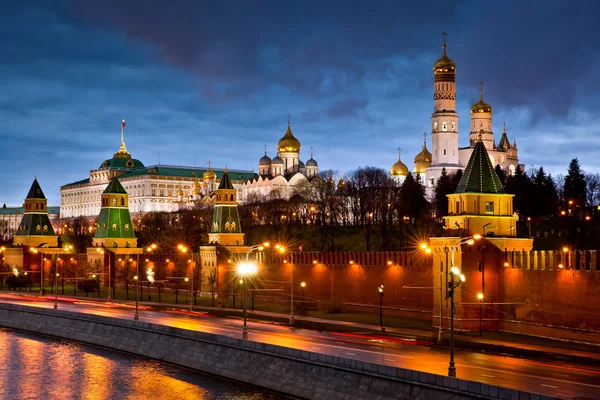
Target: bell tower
[[444, 120]]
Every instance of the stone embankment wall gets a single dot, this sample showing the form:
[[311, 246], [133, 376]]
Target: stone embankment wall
[[294, 372]]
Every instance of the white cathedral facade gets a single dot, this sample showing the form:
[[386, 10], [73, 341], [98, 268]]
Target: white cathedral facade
[[445, 151], [277, 177]]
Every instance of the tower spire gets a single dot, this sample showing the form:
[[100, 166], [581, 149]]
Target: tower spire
[[481, 90], [311, 152], [444, 34], [424, 140], [122, 130], [399, 153], [289, 118], [265, 149]]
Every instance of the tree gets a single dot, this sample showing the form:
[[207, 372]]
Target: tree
[[592, 194], [443, 188], [501, 174], [455, 179], [412, 195], [575, 186], [212, 282]]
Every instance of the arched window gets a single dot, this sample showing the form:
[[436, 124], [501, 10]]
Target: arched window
[[114, 227], [122, 200], [114, 201]]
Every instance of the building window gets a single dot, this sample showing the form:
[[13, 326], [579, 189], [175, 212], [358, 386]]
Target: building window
[[153, 192], [444, 127], [162, 192], [122, 200], [489, 207], [457, 205], [114, 227], [126, 227], [444, 151]]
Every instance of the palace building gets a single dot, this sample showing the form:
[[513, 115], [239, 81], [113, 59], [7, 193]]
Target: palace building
[[150, 188], [445, 151]]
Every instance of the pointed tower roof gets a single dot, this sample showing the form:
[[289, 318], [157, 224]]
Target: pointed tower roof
[[35, 192], [480, 176], [114, 187], [504, 143], [225, 181]]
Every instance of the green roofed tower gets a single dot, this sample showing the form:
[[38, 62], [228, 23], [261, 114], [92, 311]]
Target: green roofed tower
[[35, 229], [480, 205], [226, 229], [114, 227]]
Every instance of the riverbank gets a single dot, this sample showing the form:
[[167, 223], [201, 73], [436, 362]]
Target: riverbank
[[293, 372]]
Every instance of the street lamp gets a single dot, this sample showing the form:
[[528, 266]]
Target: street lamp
[[56, 291], [480, 297], [102, 253], [453, 284], [380, 289], [246, 269], [303, 286]]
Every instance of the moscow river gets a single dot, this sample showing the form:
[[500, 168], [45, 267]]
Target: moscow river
[[38, 367]]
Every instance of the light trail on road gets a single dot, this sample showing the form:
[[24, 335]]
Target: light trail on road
[[562, 379]]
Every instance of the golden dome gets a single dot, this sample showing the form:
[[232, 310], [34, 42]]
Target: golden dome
[[209, 174], [399, 168], [288, 143], [422, 160], [481, 106], [444, 64]]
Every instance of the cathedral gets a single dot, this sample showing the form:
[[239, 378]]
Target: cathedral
[[445, 152], [278, 176]]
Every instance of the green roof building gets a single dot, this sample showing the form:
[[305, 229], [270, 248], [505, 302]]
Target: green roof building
[[480, 205], [114, 227], [226, 229], [35, 229]]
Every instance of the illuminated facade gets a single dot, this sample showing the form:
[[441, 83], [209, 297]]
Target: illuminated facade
[[278, 176], [445, 152], [150, 188]]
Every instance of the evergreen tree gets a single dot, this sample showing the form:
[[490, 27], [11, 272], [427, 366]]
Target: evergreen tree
[[501, 174], [412, 195], [521, 186], [574, 188], [455, 179], [443, 187], [551, 197]]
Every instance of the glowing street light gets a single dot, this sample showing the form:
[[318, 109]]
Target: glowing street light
[[452, 285], [246, 269], [380, 290], [56, 291], [480, 298]]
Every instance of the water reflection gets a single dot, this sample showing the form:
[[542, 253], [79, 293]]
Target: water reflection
[[35, 367]]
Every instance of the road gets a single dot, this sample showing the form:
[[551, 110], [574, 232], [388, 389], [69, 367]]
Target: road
[[563, 379]]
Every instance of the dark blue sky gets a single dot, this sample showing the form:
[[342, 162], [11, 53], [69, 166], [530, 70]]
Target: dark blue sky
[[197, 81]]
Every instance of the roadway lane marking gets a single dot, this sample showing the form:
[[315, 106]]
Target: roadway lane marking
[[549, 386], [488, 376], [351, 354]]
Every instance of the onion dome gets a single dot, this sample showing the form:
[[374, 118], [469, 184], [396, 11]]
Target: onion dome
[[196, 187], [481, 106], [311, 162], [444, 68], [288, 143], [265, 160], [422, 160], [277, 160], [209, 174], [399, 168]]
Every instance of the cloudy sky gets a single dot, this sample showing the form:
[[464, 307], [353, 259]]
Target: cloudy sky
[[216, 80]]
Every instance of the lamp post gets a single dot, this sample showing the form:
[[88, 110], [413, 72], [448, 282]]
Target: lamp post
[[452, 285], [136, 316], [187, 287], [380, 289], [192, 291], [303, 286], [56, 291], [246, 269], [480, 298]]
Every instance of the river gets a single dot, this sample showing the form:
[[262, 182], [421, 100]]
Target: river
[[38, 367]]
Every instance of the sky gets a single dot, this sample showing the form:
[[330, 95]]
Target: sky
[[217, 79]]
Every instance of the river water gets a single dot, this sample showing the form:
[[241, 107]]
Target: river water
[[37, 367]]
